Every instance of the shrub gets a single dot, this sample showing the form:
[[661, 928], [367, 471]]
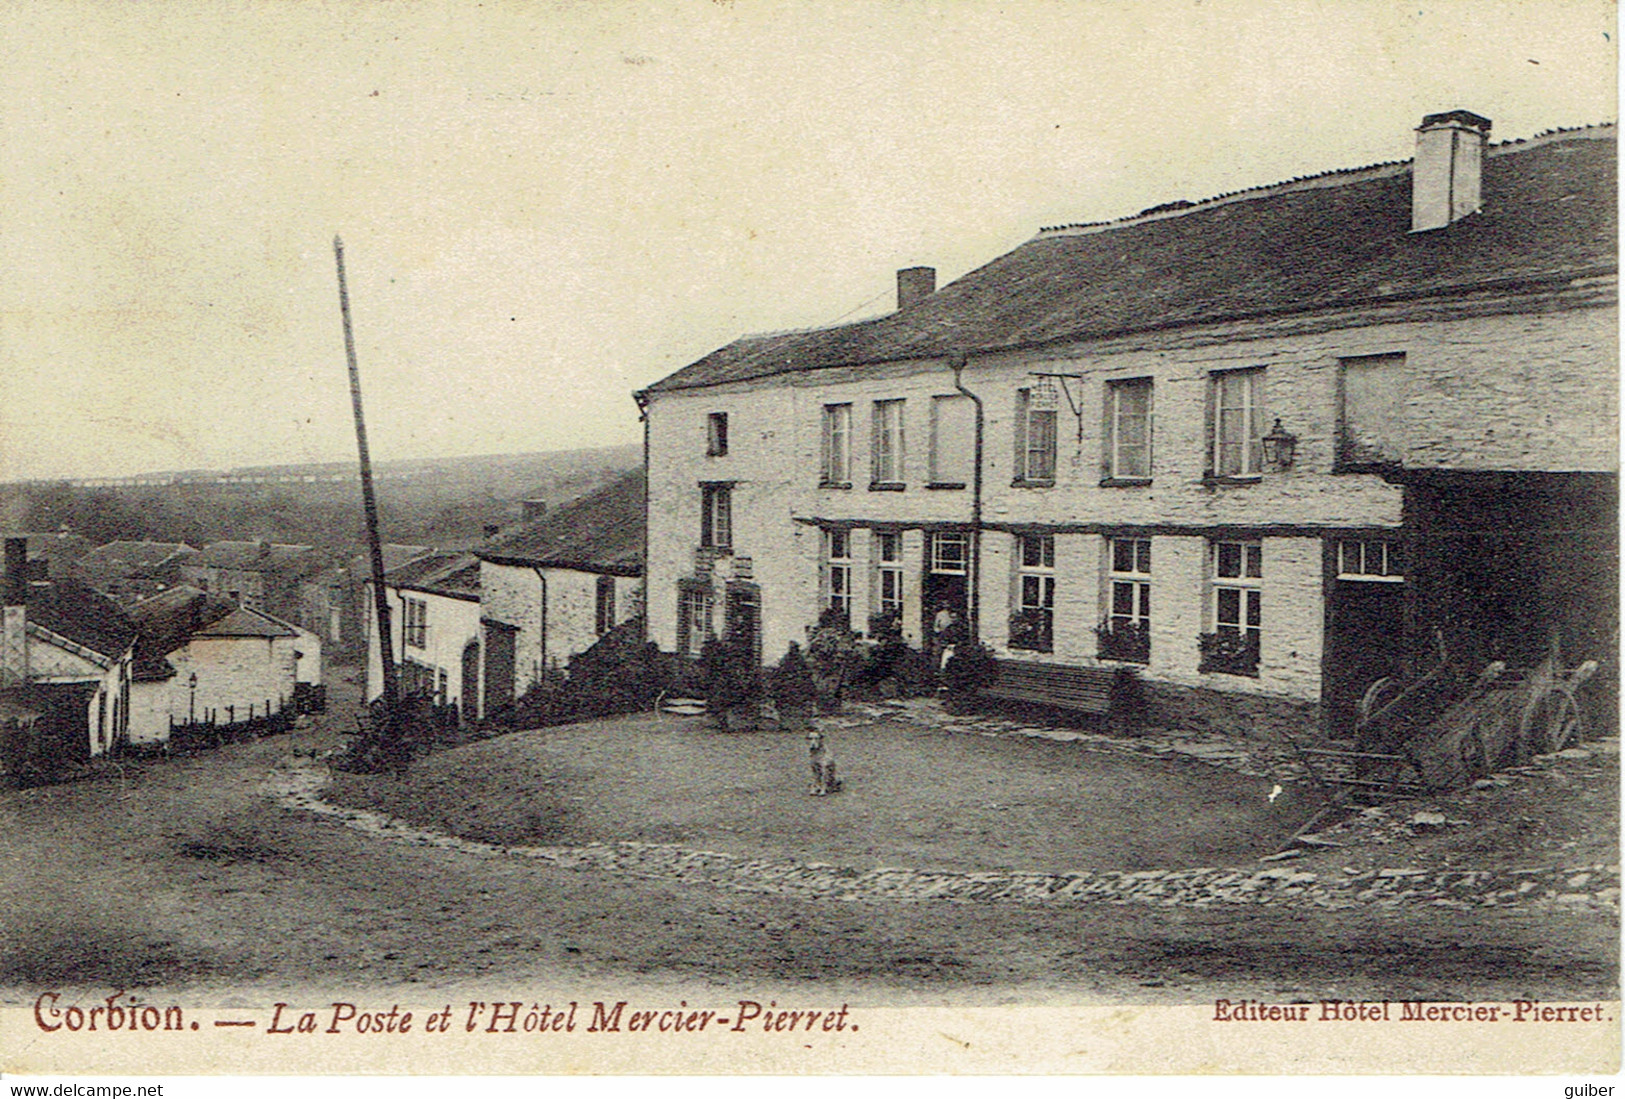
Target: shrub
[[620, 674], [969, 669], [792, 684], [729, 678], [832, 651]]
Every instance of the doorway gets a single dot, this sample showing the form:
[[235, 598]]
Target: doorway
[[946, 585], [1365, 625]]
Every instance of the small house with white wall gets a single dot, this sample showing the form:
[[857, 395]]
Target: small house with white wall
[[552, 587], [434, 620]]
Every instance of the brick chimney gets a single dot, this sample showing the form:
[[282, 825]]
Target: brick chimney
[[14, 614], [915, 284], [1445, 173]]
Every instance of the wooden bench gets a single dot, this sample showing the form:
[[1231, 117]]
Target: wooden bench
[[1066, 686]]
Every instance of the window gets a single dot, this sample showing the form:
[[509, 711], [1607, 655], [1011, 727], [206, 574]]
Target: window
[[1032, 627], [1127, 635], [1237, 570], [1377, 562], [1370, 411], [888, 546], [886, 457], [836, 466], [414, 622], [716, 516], [693, 619], [953, 441], [1035, 438], [1128, 430], [950, 552], [1238, 417], [836, 574], [716, 434], [605, 604]]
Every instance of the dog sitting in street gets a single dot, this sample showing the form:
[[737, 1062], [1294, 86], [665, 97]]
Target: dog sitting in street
[[823, 766]]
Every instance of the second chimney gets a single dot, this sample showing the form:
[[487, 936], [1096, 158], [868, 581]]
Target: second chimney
[[1445, 174], [914, 284]]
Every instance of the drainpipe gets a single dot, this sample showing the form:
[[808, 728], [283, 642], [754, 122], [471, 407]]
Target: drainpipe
[[973, 604], [643, 400], [541, 578]]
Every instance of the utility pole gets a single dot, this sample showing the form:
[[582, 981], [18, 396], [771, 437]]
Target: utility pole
[[380, 600]]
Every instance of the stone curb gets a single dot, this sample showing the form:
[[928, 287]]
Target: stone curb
[[299, 786]]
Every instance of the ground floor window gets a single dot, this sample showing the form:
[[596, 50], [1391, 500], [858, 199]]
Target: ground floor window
[[836, 573], [1126, 632], [1377, 561], [1032, 626], [694, 628], [888, 547], [1235, 607]]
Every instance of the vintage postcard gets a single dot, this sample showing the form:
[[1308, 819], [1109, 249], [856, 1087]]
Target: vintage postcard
[[792, 538]]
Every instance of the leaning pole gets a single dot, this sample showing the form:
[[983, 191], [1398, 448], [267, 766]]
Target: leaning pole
[[380, 599]]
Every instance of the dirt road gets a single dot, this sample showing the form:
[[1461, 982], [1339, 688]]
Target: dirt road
[[186, 874]]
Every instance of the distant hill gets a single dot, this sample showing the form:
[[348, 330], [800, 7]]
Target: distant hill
[[447, 502]]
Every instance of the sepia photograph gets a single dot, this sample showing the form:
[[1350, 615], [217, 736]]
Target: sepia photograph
[[865, 538]]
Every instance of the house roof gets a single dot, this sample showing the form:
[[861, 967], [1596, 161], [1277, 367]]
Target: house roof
[[61, 545], [76, 611], [601, 532], [168, 621], [256, 557], [128, 558], [1343, 238], [455, 574], [243, 622]]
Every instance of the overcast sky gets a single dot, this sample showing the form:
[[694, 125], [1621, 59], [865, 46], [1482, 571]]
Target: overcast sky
[[547, 206]]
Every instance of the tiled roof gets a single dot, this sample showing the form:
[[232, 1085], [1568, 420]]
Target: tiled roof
[[82, 615], [454, 574], [243, 622], [1549, 213], [256, 556], [168, 621], [602, 532], [129, 558]]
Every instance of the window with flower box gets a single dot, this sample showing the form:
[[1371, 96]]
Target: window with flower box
[[1032, 626], [1126, 633], [1235, 609], [888, 551], [836, 574]]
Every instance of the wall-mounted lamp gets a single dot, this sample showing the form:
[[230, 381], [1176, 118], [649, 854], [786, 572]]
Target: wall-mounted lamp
[[1280, 447]]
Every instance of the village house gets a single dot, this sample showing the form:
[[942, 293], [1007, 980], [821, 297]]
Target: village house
[[66, 660], [1258, 450], [129, 571], [335, 602], [552, 587], [434, 617], [262, 576], [204, 660]]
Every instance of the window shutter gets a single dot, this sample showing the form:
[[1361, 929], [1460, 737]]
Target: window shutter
[[1108, 437], [877, 429], [826, 471], [1020, 466], [1211, 428]]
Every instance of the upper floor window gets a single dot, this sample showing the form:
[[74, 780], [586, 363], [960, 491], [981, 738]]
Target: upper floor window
[[1032, 626], [836, 464], [836, 574], [886, 457], [716, 434], [414, 622], [1370, 411], [716, 516], [1128, 430], [1238, 423], [1035, 437], [605, 605], [953, 441]]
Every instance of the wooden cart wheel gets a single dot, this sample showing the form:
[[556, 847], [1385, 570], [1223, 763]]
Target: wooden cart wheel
[[1551, 721], [1376, 696]]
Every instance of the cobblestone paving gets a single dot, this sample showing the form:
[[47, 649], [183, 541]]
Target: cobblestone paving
[[299, 785]]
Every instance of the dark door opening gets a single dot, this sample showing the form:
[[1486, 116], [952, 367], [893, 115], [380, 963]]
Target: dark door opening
[[1365, 641], [944, 590], [499, 665]]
